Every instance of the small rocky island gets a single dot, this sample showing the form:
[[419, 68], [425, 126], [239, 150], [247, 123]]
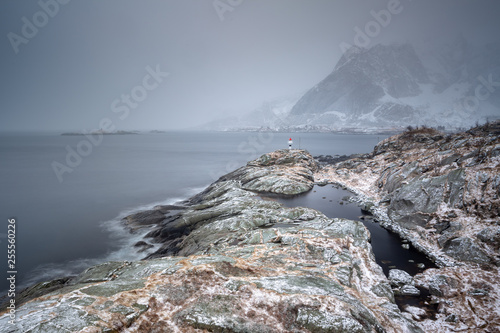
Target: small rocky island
[[229, 261], [100, 132]]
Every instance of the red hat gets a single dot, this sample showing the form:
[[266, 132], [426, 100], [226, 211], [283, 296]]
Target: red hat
[[290, 138]]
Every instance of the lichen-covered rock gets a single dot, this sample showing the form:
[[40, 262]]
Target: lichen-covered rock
[[324, 322], [442, 193], [399, 278], [231, 262], [412, 203], [216, 314], [271, 286], [467, 298], [465, 249], [490, 236], [287, 172], [409, 290]]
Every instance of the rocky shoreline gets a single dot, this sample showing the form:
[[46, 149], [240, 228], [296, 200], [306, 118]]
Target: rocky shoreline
[[441, 193], [229, 261]]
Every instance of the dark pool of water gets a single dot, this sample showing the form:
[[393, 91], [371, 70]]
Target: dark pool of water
[[387, 246]]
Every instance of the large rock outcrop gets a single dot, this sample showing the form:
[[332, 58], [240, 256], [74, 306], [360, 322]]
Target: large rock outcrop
[[230, 262], [230, 205], [319, 277], [442, 193]]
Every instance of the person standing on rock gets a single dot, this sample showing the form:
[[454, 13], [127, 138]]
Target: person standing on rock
[[290, 142]]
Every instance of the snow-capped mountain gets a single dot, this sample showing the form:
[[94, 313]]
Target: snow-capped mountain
[[354, 92], [453, 85], [389, 85]]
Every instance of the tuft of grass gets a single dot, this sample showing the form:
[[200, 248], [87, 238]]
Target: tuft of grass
[[419, 132]]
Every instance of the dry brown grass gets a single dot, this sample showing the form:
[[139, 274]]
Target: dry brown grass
[[421, 130]]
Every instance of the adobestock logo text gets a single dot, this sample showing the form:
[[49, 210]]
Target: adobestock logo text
[[30, 27], [381, 20]]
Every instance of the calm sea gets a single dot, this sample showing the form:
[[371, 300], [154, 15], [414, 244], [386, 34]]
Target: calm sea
[[66, 224]]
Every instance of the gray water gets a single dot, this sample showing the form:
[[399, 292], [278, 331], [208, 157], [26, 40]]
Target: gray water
[[65, 227]]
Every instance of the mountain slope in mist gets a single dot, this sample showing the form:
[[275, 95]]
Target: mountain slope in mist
[[389, 85], [453, 85]]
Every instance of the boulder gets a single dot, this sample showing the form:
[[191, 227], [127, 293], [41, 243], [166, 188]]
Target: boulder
[[490, 236], [321, 321], [165, 209], [144, 218], [399, 278], [465, 249], [412, 204], [285, 172], [409, 290]]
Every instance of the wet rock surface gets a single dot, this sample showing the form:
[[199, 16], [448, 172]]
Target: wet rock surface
[[230, 262], [150, 217], [441, 193], [229, 208]]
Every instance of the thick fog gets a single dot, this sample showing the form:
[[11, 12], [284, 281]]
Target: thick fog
[[174, 64]]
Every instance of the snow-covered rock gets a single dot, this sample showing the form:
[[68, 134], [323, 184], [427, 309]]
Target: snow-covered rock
[[399, 278], [228, 264], [441, 193]]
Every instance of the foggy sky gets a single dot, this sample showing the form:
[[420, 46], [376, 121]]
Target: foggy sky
[[80, 63]]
